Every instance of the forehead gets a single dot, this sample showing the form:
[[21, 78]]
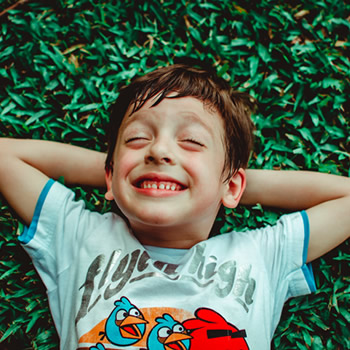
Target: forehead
[[186, 110]]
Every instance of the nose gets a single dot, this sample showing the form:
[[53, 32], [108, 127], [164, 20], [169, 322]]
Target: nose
[[159, 152]]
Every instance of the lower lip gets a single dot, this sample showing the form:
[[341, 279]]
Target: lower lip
[[153, 192]]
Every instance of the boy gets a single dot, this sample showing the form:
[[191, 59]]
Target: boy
[[180, 139]]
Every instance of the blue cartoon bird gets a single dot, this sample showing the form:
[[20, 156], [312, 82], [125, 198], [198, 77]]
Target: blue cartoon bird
[[126, 324], [168, 334]]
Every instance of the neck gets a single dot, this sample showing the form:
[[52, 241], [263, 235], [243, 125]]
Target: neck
[[168, 237]]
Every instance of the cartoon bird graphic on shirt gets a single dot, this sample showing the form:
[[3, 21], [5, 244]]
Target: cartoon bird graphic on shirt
[[209, 330], [125, 325], [168, 334]]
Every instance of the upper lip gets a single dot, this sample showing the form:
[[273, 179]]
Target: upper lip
[[157, 177]]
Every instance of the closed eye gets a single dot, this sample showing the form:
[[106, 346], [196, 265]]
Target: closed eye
[[190, 140], [138, 138]]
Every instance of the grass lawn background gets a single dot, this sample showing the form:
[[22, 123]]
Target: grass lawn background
[[62, 62]]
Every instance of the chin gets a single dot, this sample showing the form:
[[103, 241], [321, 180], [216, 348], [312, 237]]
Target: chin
[[158, 220]]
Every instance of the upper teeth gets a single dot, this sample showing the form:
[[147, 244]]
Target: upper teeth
[[159, 185]]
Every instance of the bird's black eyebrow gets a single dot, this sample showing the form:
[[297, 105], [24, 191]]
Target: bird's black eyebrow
[[218, 333]]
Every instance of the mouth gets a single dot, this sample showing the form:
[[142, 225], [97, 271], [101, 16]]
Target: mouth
[[159, 183], [175, 346], [174, 341], [130, 331]]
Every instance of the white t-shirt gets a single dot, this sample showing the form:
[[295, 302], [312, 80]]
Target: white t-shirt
[[105, 288]]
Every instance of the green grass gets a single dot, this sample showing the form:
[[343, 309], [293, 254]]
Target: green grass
[[62, 62]]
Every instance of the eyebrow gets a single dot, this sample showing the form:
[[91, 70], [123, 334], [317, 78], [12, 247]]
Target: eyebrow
[[192, 117]]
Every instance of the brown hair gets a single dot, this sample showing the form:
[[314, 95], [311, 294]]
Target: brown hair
[[234, 107]]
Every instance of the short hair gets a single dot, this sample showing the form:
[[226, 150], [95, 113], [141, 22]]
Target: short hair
[[216, 93]]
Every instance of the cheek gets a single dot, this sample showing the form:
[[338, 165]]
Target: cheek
[[125, 162], [206, 166]]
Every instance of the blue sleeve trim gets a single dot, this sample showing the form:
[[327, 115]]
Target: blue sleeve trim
[[29, 232], [307, 268], [306, 234]]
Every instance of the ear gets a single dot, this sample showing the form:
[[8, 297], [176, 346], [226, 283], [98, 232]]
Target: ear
[[108, 176], [234, 189]]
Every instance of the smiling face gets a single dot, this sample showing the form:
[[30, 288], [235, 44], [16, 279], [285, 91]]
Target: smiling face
[[167, 174]]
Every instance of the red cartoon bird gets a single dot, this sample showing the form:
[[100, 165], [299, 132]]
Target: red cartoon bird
[[211, 331]]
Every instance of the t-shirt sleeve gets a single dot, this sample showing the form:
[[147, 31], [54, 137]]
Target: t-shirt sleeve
[[306, 268], [285, 247], [282, 252], [56, 211]]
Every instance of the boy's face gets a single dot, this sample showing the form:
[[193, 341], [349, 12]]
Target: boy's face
[[167, 173]]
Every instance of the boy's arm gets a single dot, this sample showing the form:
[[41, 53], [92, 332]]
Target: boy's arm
[[326, 199], [26, 165]]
